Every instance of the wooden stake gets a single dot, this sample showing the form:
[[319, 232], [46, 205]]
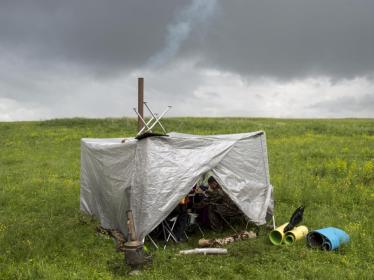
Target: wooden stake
[[140, 102]]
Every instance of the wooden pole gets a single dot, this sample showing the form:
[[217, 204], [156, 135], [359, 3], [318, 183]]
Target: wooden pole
[[140, 102]]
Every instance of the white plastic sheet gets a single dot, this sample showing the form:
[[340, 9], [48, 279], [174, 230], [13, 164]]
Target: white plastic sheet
[[151, 175]]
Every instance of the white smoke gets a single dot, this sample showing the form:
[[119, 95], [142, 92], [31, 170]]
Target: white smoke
[[179, 29]]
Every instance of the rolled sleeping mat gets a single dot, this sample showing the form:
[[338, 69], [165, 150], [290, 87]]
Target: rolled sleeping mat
[[296, 234], [327, 238], [276, 235]]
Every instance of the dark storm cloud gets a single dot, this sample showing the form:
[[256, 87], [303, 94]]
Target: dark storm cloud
[[291, 38], [103, 36], [285, 39], [82, 57]]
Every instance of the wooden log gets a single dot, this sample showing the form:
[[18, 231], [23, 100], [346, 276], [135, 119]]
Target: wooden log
[[219, 242]]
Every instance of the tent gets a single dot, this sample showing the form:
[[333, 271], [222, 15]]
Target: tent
[[151, 175]]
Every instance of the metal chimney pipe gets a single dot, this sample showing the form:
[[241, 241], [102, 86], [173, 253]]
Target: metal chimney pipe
[[140, 102]]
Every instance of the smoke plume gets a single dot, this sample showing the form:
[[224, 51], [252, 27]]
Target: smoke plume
[[179, 29]]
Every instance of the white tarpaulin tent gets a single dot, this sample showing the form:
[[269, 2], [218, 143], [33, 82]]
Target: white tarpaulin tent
[[151, 175]]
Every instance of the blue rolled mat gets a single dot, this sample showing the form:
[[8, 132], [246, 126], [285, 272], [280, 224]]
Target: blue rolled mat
[[329, 238]]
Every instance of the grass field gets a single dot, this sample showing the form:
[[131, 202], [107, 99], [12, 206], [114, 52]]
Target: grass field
[[328, 165]]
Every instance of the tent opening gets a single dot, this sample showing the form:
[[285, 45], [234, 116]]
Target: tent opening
[[206, 207]]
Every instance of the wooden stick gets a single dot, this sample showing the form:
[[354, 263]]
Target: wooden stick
[[204, 251]]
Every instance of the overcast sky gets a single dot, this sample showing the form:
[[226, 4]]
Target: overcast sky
[[280, 58]]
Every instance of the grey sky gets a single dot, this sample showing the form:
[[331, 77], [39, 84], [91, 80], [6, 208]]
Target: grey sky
[[284, 58]]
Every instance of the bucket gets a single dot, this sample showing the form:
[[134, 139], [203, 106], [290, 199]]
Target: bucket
[[296, 234], [327, 238]]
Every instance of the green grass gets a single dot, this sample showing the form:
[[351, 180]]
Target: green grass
[[328, 165]]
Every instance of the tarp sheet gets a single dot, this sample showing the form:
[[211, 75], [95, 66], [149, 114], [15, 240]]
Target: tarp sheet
[[151, 175]]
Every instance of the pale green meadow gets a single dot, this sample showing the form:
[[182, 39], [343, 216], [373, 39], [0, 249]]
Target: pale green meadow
[[327, 165]]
